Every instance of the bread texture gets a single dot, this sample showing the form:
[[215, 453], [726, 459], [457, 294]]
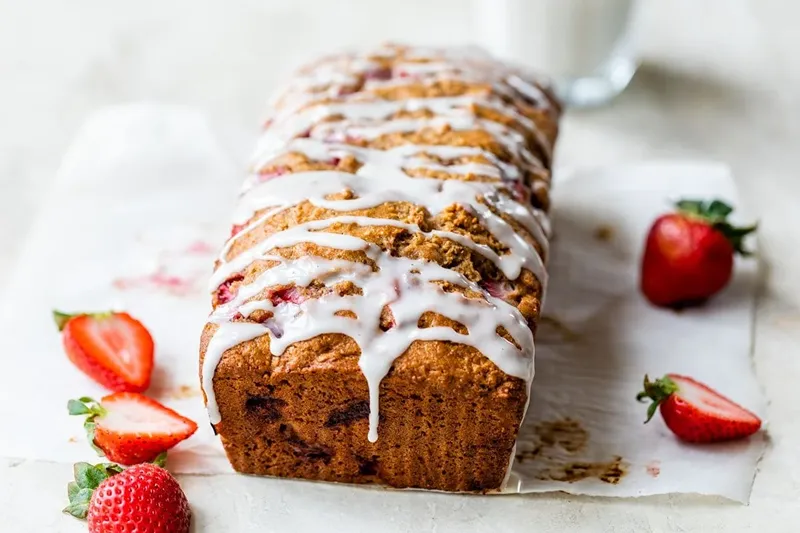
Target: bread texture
[[375, 307]]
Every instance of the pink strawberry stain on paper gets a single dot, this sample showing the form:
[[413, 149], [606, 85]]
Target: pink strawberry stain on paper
[[653, 468], [159, 280], [200, 248], [171, 274]]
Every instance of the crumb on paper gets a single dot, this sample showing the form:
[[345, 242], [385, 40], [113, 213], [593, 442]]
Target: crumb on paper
[[653, 468], [200, 247], [790, 321], [552, 330], [527, 455], [550, 450], [608, 472], [604, 233], [183, 392], [566, 434], [72, 440]]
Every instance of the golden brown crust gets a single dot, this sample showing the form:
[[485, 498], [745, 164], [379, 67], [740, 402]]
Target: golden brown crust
[[448, 415]]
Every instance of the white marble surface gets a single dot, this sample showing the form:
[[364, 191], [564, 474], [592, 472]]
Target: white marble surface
[[721, 79]]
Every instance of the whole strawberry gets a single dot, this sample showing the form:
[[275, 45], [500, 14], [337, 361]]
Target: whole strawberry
[[688, 255], [141, 499], [695, 412]]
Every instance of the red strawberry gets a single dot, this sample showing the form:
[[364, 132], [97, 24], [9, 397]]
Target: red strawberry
[[380, 73], [236, 229], [114, 349], [696, 413], [130, 428], [689, 254], [142, 499]]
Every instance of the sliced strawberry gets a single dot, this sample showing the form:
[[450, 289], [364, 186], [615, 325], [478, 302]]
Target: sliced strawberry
[[695, 412], [114, 349], [130, 428]]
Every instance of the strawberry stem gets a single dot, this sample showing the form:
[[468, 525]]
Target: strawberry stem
[[161, 460], [715, 214], [657, 391]]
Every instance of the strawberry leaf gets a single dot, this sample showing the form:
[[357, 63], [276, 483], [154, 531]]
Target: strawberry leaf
[[79, 504], [712, 212], [736, 236], [690, 207], [718, 209], [92, 408], [89, 427], [112, 469], [715, 214], [77, 407], [72, 489], [61, 319], [87, 478], [85, 406]]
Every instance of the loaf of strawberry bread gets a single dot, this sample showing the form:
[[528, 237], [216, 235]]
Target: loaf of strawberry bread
[[376, 303]]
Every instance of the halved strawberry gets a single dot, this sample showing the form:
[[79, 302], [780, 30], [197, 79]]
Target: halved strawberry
[[114, 349], [130, 428], [696, 413]]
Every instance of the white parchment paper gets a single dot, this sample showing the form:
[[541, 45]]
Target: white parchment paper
[[142, 204]]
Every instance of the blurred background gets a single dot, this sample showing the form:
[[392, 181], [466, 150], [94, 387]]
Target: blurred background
[[718, 79]]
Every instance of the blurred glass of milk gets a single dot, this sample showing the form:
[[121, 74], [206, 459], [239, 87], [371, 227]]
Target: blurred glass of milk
[[585, 46]]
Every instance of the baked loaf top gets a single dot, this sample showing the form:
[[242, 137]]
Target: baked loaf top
[[396, 196]]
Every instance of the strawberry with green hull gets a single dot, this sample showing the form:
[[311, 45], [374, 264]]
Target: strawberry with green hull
[[114, 349], [143, 499], [696, 413], [688, 255], [129, 428]]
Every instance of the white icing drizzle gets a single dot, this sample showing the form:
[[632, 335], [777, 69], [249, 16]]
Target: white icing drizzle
[[400, 157], [408, 288], [399, 283], [375, 185], [366, 119]]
